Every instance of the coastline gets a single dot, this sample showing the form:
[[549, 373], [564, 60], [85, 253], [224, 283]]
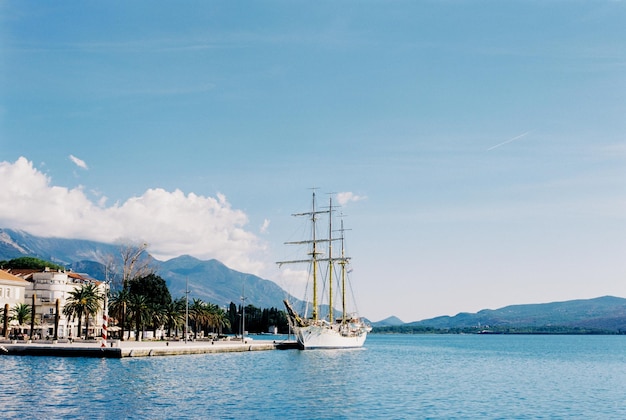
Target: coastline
[[120, 349]]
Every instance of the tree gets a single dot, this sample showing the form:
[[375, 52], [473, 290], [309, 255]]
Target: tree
[[233, 317], [174, 316], [257, 320], [253, 319], [118, 308], [219, 319], [21, 312], [157, 316], [198, 314], [30, 263], [153, 287], [83, 301], [136, 263], [156, 295], [139, 310]]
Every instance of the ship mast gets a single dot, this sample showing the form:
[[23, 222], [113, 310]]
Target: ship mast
[[343, 263], [330, 260], [314, 254]]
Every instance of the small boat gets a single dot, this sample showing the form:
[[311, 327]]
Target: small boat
[[325, 331]]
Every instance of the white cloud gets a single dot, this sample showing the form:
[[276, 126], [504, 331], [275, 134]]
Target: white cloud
[[78, 162], [344, 198], [265, 226], [293, 281], [173, 223]]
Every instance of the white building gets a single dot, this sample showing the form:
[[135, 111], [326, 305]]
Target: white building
[[12, 289], [50, 285]]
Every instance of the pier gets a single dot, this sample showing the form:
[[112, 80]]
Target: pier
[[119, 349]]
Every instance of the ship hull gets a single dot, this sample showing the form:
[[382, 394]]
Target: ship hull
[[325, 337]]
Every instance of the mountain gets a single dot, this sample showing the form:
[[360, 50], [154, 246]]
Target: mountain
[[388, 322], [605, 312], [17, 243], [213, 282], [210, 281]]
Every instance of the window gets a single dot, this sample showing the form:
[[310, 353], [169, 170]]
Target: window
[[8, 292], [1, 290]]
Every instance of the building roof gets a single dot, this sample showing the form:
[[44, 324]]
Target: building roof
[[5, 275], [27, 274], [22, 272]]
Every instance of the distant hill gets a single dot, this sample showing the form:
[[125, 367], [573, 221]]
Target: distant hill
[[391, 321], [17, 243], [210, 281], [213, 282], [606, 312]]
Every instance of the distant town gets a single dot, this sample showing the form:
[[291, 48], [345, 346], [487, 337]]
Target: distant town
[[44, 301]]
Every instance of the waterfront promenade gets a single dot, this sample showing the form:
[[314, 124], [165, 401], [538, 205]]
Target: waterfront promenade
[[119, 349]]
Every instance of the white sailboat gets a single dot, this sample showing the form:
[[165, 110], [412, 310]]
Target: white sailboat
[[317, 331]]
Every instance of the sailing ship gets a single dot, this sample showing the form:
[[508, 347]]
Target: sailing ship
[[318, 331]]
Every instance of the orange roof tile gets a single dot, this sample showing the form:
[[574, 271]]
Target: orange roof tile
[[5, 275]]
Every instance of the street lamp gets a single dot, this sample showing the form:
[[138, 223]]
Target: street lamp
[[186, 308], [243, 311]]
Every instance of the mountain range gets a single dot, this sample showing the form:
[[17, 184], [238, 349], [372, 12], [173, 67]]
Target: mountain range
[[209, 280], [214, 282], [602, 313]]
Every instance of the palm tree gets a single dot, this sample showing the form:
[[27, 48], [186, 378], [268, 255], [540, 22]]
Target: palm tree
[[21, 312], [157, 315], [139, 310], [174, 316], [118, 308], [219, 319], [199, 314], [83, 301]]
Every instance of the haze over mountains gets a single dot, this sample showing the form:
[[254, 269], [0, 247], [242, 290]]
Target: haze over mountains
[[602, 313], [214, 282], [209, 280]]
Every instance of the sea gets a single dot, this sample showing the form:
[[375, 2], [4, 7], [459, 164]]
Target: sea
[[392, 377]]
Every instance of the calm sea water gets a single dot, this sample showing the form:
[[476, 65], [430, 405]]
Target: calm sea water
[[397, 376]]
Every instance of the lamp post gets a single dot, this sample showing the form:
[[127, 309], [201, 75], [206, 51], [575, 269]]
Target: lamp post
[[243, 311], [186, 308]]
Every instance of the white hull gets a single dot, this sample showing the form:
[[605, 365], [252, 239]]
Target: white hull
[[325, 331], [326, 337]]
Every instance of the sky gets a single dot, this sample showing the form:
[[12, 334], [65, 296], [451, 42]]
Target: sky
[[478, 148]]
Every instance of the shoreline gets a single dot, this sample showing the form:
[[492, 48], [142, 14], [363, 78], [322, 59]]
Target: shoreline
[[120, 349]]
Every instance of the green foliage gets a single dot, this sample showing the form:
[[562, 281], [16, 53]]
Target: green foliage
[[139, 307], [207, 317], [83, 301], [257, 320], [174, 316], [153, 287], [21, 312], [29, 263]]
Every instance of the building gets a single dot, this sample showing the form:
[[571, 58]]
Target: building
[[12, 289], [48, 286]]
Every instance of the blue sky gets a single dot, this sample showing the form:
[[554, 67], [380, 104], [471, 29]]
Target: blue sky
[[482, 142]]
